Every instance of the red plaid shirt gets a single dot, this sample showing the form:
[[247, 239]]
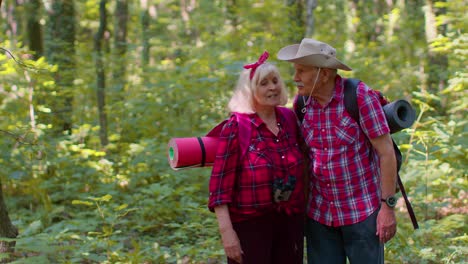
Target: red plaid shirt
[[345, 182], [245, 183]]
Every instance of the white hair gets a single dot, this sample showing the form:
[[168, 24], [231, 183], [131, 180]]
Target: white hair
[[242, 101]]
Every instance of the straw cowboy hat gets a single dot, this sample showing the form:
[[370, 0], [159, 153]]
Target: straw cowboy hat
[[314, 53]]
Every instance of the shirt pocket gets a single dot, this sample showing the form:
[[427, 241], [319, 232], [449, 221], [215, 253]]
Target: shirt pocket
[[310, 135], [346, 131], [258, 153], [254, 182]]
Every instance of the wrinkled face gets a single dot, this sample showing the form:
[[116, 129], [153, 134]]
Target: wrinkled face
[[305, 77], [268, 92]]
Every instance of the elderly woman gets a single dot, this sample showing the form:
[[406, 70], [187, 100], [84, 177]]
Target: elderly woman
[[258, 197]]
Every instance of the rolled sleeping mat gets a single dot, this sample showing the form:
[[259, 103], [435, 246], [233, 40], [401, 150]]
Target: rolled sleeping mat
[[400, 115], [184, 153]]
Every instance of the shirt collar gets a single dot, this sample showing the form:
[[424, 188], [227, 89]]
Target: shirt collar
[[257, 121], [338, 92]]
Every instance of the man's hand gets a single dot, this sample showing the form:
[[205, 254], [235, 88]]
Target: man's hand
[[386, 223]]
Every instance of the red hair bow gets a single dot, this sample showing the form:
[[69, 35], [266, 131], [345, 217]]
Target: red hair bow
[[260, 61]]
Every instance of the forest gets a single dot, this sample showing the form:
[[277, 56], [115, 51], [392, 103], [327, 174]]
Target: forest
[[91, 92]]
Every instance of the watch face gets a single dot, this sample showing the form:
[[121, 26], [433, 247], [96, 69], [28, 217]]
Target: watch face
[[391, 201]]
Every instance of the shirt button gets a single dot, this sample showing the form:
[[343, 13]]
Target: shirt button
[[282, 157], [277, 140], [324, 167], [328, 185], [331, 203], [323, 130], [325, 148]]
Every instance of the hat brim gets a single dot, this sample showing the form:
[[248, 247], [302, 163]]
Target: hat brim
[[289, 53]]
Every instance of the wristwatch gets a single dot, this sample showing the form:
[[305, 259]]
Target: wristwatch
[[390, 201]]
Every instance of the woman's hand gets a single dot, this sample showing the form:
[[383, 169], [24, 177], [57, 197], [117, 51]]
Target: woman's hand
[[231, 244], [229, 237]]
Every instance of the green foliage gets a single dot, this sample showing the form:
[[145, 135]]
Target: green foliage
[[77, 202]]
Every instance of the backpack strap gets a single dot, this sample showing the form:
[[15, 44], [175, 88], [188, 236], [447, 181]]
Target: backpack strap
[[290, 117], [244, 132], [350, 98], [299, 106], [351, 106]]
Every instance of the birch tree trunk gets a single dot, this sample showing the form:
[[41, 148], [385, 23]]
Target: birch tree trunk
[[310, 20]]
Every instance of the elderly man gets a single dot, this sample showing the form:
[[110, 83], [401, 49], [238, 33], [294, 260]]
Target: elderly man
[[353, 167]]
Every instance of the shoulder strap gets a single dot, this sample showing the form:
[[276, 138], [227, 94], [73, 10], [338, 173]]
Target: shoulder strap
[[298, 105], [350, 98], [244, 132], [216, 131]]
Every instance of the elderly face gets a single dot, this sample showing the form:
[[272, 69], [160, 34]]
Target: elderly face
[[305, 77], [268, 92]]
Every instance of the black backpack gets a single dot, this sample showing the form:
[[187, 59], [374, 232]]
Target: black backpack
[[399, 115]]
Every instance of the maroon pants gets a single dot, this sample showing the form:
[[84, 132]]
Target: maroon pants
[[271, 238]]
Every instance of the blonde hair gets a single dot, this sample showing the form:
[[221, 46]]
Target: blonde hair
[[242, 101]]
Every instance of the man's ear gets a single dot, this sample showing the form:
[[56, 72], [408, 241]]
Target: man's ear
[[327, 74]]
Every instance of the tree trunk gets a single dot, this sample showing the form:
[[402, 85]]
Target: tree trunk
[[120, 47], [60, 50], [100, 73], [144, 21], [296, 17], [34, 29], [13, 23], [437, 63], [7, 229], [310, 20], [232, 15]]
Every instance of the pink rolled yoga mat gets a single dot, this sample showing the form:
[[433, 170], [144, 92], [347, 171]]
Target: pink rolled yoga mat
[[191, 152]]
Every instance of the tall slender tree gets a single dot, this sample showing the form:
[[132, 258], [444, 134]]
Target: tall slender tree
[[100, 73], [34, 28], [310, 20], [60, 50], [296, 17], [7, 229], [437, 62], [144, 22], [120, 47]]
